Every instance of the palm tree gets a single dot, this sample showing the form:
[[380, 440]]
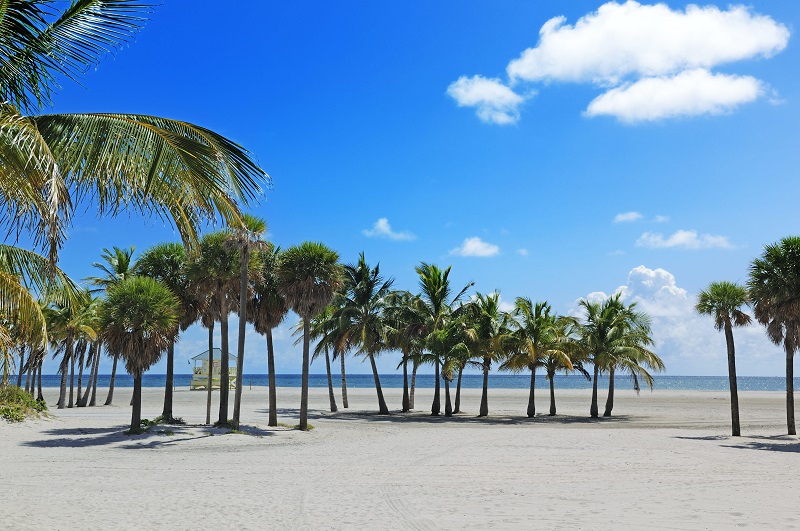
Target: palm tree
[[140, 321], [399, 316], [493, 333], [308, 276], [774, 286], [268, 309], [214, 281], [532, 338], [173, 169], [564, 354], [723, 301], [247, 240], [324, 330], [166, 262], [360, 315], [71, 323], [433, 312]]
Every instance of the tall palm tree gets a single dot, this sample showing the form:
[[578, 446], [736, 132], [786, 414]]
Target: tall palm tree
[[399, 314], [308, 276], [774, 286], [533, 337], [166, 262], [324, 330], [140, 320], [434, 311], [723, 301], [564, 354], [268, 309], [493, 332], [214, 280], [247, 240], [360, 315], [179, 171]]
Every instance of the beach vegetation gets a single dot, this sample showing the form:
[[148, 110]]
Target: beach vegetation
[[325, 332], [724, 301], [16, 404]]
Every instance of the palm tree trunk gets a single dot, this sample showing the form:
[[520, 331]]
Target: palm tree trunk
[[552, 395], [414, 367], [790, 390], [79, 397], [224, 370], [21, 366], [93, 400], [83, 400], [331, 398], [484, 411], [166, 414], [735, 428], [273, 397], [344, 382], [210, 384], [436, 406], [39, 395], [405, 384], [111, 383], [593, 407], [304, 384], [62, 395], [448, 408], [30, 375], [237, 397], [610, 398], [382, 409], [71, 379], [457, 408], [136, 412], [531, 401]]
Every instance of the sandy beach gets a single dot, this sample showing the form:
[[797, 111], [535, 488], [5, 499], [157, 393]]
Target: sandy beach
[[664, 461]]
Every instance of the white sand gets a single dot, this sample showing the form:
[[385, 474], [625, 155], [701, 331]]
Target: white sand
[[664, 461]]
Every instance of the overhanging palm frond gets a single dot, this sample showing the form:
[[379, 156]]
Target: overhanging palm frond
[[32, 271]]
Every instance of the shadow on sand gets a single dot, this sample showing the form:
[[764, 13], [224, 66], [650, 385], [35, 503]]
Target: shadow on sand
[[772, 443]]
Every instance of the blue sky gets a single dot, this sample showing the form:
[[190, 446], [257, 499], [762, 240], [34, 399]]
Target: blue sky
[[679, 123]]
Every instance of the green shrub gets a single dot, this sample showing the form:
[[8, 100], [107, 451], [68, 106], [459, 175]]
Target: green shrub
[[16, 404]]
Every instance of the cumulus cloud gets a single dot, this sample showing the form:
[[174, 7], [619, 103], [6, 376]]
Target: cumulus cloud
[[685, 340], [689, 93], [494, 102], [476, 247], [654, 61], [382, 229], [625, 217], [683, 239]]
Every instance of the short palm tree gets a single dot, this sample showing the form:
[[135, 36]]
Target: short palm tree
[[308, 276], [774, 287], [723, 301], [325, 332], [140, 320], [360, 315], [72, 323], [564, 354], [268, 309], [399, 315], [493, 337]]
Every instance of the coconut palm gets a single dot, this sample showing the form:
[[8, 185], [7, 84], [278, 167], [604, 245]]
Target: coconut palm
[[140, 320], [493, 332], [308, 276], [246, 240], [564, 354], [268, 309], [433, 312], [774, 287], [360, 315], [166, 262], [399, 317], [723, 301], [214, 280], [533, 337], [70, 324], [324, 330]]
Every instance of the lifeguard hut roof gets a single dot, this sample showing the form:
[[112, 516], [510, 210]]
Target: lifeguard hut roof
[[217, 356]]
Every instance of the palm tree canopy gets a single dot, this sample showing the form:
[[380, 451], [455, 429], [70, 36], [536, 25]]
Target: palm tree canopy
[[267, 306], [533, 335], [723, 301], [167, 262], [774, 287], [119, 265], [139, 320], [308, 275]]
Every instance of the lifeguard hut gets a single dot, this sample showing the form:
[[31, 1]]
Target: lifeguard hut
[[200, 371]]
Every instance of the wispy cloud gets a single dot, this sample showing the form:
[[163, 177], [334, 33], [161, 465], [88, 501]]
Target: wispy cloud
[[494, 102], [476, 247], [626, 217], [661, 219], [382, 229], [683, 239], [522, 252]]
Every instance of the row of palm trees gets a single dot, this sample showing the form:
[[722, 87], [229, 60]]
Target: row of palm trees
[[773, 291]]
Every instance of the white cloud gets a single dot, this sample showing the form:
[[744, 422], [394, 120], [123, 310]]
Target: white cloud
[[685, 239], [621, 40], [689, 93], [382, 229], [522, 252], [685, 340], [625, 217], [476, 247], [494, 101], [661, 219]]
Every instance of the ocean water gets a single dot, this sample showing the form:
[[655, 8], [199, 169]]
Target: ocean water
[[470, 381]]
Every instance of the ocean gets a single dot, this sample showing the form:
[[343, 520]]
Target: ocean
[[470, 381]]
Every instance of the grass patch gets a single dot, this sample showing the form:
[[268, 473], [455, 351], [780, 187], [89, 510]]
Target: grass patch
[[175, 421], [294, 426], [16, 405]]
